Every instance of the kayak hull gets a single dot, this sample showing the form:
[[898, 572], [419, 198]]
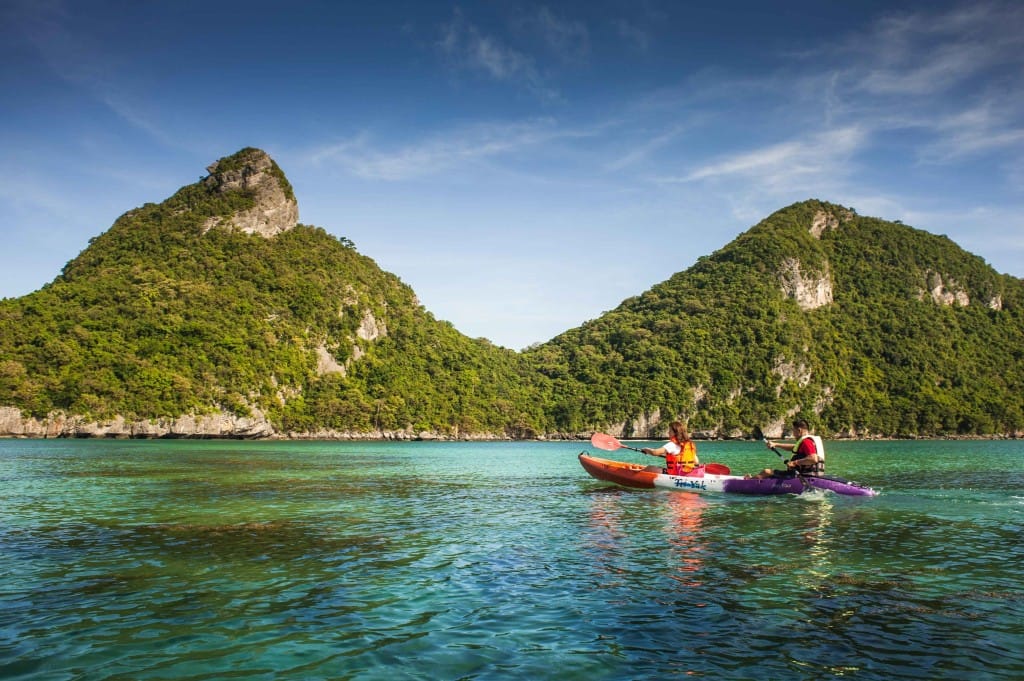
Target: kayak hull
[[699, 480], [619, 472]]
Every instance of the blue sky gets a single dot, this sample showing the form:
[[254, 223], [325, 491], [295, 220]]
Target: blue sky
[[524, 166]]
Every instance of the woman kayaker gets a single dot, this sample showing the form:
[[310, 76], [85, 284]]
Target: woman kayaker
[[680, 452]]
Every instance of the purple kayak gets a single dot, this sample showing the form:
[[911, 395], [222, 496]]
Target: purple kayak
[[795, 485]]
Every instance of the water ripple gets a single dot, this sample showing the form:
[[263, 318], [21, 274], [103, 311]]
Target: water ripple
[[379, 561]]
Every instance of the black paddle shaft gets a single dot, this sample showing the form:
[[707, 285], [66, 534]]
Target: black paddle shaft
[[796, 470]]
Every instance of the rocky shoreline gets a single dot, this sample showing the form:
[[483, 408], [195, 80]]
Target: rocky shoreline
[[224, 426]]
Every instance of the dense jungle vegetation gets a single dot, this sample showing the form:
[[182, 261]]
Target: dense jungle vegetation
[[159, 317], [723, 347]]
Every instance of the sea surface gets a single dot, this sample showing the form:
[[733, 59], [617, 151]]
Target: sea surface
[[323, 560]]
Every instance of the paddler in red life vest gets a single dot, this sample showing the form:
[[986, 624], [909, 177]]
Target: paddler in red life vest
[[680, 452], [808, 454]]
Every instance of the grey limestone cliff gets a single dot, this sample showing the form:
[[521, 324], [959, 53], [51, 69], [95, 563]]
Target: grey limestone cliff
[[252, 171]]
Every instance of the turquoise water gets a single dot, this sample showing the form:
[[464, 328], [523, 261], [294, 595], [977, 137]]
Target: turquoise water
[[269, 560]]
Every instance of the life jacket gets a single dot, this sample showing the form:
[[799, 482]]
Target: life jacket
[[683, 462], [818, 467]]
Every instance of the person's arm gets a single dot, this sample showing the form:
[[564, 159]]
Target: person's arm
[[804, 461], [660, 451], [803, 458]]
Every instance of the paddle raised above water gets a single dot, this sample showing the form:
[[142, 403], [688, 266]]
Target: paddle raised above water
[[759, 434], [609, 443]]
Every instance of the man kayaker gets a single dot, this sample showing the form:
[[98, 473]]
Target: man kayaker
[[806, 459], [680, 452]]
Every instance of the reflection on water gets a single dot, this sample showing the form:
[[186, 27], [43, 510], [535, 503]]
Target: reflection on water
[[614, 534], [685, 534], [818, 538], [606, 535]]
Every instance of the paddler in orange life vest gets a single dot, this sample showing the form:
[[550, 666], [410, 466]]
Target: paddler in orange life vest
[[680, 452], [808, 455]]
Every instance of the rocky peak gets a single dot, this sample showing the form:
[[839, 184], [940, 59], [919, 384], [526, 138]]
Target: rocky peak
[[828, 220], [254, 173]]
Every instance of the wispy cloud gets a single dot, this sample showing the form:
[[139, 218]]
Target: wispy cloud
[[470, 49], [567, 39], [79, 59], [972, 131], [38, 195], [644, 150], [359, 156], [783, 163], [921, 54], [1015, 177], [953, 78], [633, 35], [956, 76]]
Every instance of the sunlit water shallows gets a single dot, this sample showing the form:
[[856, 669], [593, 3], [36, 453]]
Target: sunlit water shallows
[[211, 560]]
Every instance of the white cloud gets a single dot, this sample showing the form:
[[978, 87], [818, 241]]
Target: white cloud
[[453, 149], [976, 130], [784, 163], [921, 74]]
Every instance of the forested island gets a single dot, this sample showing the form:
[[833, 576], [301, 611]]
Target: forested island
[[217, 314]]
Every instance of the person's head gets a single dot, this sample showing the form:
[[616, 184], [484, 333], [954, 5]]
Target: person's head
[[677, 430], [800, 425]]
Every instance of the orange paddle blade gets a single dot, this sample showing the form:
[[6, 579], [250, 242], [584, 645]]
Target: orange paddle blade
[[717, 468], [602, 441]]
